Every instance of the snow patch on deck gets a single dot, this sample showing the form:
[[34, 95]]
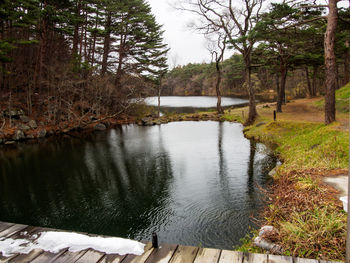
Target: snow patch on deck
[[56, 241]]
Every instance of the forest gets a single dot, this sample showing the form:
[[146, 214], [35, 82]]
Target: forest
[[63, 60]]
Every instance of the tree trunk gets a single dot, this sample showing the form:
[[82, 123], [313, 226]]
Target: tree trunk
[[218, 92], [346, 63], [76, 33], [106, 44], [330, 62], [121, 54], [314, 81], [159, 92], [251, 92], [309, 87], [281, 93]]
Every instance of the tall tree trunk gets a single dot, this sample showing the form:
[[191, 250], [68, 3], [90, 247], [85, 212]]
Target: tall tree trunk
[[217, 87], [76, 32], [330, 62], [347, 63], [251, 92], [309, 87], [281, 93], [106, 44], [121, 55], [314, 80]]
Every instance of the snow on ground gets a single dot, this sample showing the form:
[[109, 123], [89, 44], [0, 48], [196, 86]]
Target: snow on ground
[[56, 241]]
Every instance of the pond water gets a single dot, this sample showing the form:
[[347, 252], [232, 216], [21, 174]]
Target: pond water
[[188, 104], [194, 183]]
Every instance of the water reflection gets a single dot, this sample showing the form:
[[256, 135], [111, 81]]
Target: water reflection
[[192, 182]]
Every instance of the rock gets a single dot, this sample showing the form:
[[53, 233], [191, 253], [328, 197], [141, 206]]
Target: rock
[[267, 245], [268, 231], [32, 124], [24, 118], [15, 114], [146, 121], [41, 133], [30, 136], [9, 142], [19, 135], [100, 127], [23, 127]]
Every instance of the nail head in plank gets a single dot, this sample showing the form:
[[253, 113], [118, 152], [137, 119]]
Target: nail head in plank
[[184, 254], [228, 256], [91, 256], [279, 259], [254, 258], [162, 254], [207, 255], [140, 259]]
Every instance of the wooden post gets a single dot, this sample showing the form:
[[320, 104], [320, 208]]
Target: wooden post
[[242, 115], [154, 240], [274, 115]]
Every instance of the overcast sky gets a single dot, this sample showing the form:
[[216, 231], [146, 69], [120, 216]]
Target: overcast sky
[[185, 45]]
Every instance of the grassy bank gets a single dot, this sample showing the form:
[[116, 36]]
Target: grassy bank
[[306, 212], [342, 97]]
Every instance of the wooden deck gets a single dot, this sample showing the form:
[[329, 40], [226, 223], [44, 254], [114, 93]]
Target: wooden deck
[[166, 253]]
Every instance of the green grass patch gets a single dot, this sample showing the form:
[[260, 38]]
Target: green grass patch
[[342, 97], [305, 145], [317, 233]]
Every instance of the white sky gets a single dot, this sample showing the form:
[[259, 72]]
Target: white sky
[[185, 45]]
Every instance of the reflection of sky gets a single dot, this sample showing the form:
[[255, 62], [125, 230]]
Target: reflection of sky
[[191, 182], [211, 192], [192, 101]]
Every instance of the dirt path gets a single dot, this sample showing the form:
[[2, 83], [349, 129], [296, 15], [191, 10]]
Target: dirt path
[[301, 110]]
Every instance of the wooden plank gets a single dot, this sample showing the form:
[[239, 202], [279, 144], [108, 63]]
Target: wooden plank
[[140, 259], [254, 258], [305, 260], [48, 257], [91, 256], [162, 254], [184, 254], [69, 257], [4, 225], [279, 259], [12, 230], [207, 255], [24, 258], [112, 258], [228, 256]]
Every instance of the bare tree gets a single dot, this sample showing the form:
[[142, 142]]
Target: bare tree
[[236, 18], [217, 49]]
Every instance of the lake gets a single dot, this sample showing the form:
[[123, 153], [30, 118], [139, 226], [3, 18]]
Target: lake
[[194, 183], [190, 104]]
